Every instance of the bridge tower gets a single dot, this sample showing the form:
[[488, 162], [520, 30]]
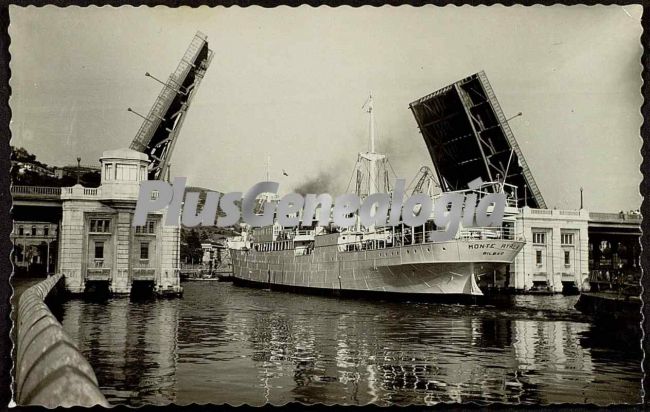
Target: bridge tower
[[99, 245]]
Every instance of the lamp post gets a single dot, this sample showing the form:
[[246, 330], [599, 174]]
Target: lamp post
[[78, 169], [147, 74], [47, 261], [581, 204], [517, 115], [128, 109]]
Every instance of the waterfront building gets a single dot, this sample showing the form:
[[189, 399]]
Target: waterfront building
[[98, 242], [212, 251], [34, 246], [556, 254], [615, 251]]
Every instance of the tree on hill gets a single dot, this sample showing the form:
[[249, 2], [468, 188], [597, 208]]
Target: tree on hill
[[24, 174], [191, 246]]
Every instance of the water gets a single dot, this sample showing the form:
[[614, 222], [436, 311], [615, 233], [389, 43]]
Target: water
[[226, 344]]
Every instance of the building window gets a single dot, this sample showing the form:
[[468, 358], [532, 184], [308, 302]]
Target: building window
[[126, 172], [46, 231], [143, 173], [567, 238], [144, 250], [149, 227], [21, 230], [99, 250], [108, 173], [33, 230], [539, 238], [538, 257], [567, 258], [100, 225]]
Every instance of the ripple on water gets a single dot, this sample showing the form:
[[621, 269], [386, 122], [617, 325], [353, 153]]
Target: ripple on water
[[221, 343]]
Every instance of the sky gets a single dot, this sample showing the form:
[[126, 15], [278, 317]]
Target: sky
[[289, 84]]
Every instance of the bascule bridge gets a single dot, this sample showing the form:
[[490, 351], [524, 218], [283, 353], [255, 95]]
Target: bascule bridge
[[469, 136], [97, 244]]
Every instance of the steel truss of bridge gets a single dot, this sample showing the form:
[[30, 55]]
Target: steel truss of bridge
[[468, 136], [159, 131]]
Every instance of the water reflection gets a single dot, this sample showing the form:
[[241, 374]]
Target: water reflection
[[224, 344], [132, 347]]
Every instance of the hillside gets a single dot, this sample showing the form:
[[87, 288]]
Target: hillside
[[26, 170], [213, 233]]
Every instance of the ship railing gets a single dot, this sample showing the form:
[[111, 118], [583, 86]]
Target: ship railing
[[303, 232], [278, 245], [373, 244], [494, 187], [411, 236], [417, 238], [475, 233], [302, 251], [368, 244], [478, 233]]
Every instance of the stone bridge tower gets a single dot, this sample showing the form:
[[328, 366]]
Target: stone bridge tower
[[98, 242]]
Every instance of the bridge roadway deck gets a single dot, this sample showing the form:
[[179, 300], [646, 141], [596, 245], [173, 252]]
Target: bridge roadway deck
[[47, 196]]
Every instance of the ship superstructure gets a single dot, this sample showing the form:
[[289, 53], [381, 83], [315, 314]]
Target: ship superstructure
[[382, 259]]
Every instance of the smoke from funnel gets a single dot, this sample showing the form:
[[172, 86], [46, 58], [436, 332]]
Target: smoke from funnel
[[323, 182]]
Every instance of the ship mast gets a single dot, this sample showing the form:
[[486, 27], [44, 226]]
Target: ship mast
[[372, 182], [265, 197], [371, 156], [268, 162]]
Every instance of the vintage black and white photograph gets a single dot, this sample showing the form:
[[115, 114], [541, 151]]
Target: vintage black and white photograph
[[343, 206]]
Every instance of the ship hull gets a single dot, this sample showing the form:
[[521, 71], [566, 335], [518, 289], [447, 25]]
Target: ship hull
[[377, 295], [442, 270]]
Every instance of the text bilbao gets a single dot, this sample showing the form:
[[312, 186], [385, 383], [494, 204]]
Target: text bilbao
[[378, 209]]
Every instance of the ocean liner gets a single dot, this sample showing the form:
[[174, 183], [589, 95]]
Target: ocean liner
[[388, 261]]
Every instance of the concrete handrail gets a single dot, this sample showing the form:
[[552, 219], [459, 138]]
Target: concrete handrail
[[50, 369], [622, 216]]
